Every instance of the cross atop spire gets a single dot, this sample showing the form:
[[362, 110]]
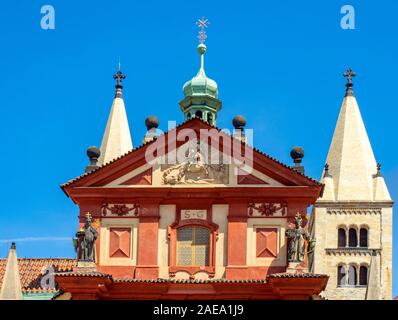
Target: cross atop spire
[[119, 76], [88, 216], [202, 23], [349, 74]]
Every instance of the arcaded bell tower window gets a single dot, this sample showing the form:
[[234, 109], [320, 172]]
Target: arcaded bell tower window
[[342, 238], [193, 246], [352, 238], [352, 276], [363, 276], [363, 238]]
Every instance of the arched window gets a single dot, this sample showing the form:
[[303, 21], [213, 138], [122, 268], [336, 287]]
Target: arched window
[[352, 238], [193, 246], [210, 118], [352, 276], [342, 238], [198, 114], [188, 115], [363, 276], [341, 276], [363, 237]]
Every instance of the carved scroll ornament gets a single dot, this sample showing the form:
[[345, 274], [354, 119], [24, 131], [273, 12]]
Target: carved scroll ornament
[[119, 210], [267, 209]]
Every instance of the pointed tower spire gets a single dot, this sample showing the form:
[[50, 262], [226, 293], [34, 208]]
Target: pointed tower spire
[[351, 162], [117, 139], [11, 288]]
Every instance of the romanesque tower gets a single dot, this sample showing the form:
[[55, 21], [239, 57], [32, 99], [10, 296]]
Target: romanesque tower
[[352, 221]]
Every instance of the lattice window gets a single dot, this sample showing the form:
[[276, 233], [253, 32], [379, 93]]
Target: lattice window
[[193, 246]]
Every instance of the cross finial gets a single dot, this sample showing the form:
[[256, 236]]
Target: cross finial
[[378, 172], [349, 74], [119, 76], [202, 23], [327, 174]]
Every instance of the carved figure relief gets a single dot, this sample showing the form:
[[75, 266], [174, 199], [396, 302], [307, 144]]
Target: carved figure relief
[[195, 170]]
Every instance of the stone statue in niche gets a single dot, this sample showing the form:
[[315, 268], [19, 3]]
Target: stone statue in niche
[[195, 170], [297, 237], [88, 235]]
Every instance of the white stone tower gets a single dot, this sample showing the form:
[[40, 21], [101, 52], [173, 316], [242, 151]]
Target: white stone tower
[[352, 221], [117, 139], [11, 288]]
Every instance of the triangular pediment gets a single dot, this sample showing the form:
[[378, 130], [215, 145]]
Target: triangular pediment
[[136, 170], [191, 172]]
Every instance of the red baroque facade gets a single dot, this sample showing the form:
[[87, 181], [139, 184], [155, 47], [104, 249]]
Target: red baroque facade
[[219, 240]]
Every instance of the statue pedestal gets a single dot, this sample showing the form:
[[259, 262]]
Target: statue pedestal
[[296, 267], [85, 266]]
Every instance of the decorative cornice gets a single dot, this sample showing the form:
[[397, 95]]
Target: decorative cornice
[[352, 251], [354, 211], [354, 204]]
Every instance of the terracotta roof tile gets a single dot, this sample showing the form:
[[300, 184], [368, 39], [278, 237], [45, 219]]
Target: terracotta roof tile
[[159, 280], [199, 281], [30, 271], [297, 275], [83, 274]]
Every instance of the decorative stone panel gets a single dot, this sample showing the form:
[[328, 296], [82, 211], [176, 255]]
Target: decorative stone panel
[[266, 242], [119, 242]]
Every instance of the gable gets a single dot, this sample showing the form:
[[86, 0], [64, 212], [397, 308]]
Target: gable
[[184, 173], [134, 170]]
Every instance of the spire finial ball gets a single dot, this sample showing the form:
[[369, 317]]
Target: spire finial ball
[[202, 48], [93, 152], [239, 122], [297, 154], [151, 122]]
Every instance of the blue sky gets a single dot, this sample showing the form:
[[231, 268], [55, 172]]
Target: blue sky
[[279, 63]]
